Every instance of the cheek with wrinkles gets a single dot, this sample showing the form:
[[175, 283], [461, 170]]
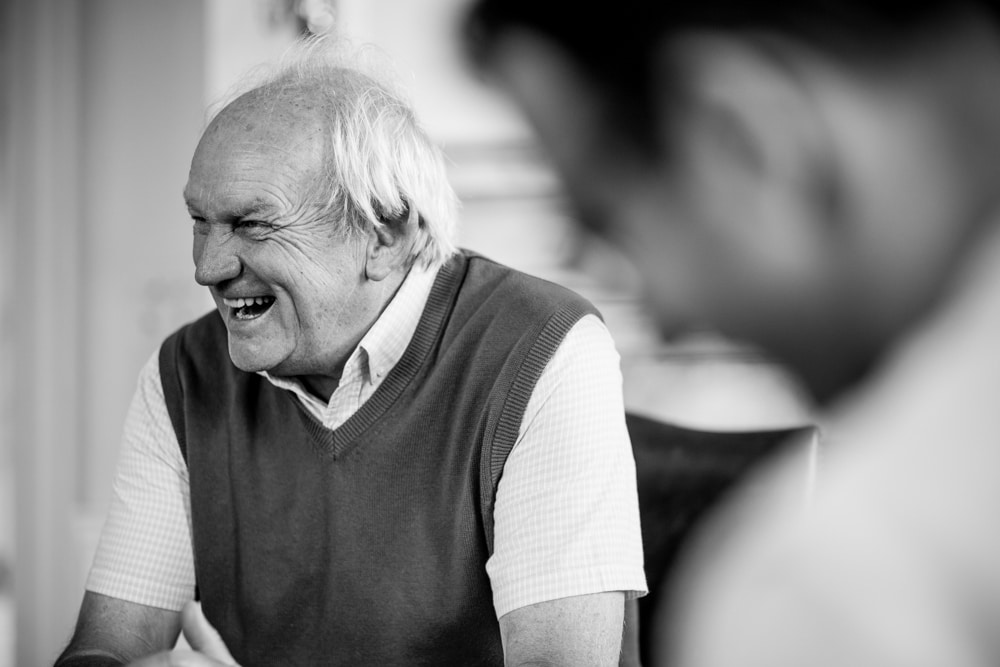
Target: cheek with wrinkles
[[309, 266]]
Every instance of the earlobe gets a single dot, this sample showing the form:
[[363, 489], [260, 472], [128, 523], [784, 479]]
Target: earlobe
[[759, 108], [389, 244]]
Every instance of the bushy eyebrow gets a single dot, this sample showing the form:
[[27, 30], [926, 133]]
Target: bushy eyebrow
[[253, 208]]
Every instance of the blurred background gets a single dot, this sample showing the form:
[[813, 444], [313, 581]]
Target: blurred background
[[101, 105]]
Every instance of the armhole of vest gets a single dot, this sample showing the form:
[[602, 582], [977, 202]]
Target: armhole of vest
[[173, 394], [500, 440]]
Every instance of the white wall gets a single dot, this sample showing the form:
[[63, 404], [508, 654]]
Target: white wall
[[105, 102], [40, 227], [142, 111]]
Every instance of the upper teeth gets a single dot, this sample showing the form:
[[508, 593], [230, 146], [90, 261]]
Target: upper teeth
[[241, 302]]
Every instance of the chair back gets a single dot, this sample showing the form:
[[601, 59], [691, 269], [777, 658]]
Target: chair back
[[683, 473]]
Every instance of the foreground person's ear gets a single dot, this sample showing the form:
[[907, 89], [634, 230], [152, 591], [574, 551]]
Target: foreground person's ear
[[749, 132]]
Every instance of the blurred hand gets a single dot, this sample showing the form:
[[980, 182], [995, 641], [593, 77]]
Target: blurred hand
[[208, 648]]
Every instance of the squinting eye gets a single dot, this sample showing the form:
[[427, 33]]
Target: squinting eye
[[200, 226], [253, 227], [251, 224]]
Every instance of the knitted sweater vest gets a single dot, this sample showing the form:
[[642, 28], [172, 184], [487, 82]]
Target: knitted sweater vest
[[366, 544]]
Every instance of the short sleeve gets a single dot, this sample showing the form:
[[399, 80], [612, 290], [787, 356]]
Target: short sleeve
[[566, 517], [144, 554]]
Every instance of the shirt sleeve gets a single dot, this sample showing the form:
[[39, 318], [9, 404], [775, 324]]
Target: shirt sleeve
[[566, 517], [144, 554]]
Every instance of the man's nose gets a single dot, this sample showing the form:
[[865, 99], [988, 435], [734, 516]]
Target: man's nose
[[215, 260]]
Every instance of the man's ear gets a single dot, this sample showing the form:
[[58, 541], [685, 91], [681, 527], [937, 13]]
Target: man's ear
[[749, 140], [389, 244]]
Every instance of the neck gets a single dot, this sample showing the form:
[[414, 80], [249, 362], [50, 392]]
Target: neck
[[917, 141], [382, 292]]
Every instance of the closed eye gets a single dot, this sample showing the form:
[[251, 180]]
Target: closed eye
[[254, 228], [251, 223]]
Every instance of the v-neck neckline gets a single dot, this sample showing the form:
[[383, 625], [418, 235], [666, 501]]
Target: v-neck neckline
[[337, 441]]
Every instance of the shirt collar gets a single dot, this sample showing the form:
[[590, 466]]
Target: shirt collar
[[387, 339], [381, 348]]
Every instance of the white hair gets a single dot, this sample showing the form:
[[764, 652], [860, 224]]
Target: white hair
[[379, 163]]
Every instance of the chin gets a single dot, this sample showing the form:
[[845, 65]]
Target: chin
[[252, 361], [248, 365]]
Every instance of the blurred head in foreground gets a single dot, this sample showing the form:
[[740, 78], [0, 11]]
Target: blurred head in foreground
[[802, 175], [820, 178]]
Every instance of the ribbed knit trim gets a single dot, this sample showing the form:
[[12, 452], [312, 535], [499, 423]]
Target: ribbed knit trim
[[170, 380], [501, 433]]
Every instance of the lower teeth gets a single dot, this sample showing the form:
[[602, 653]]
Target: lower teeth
[[250, 312]]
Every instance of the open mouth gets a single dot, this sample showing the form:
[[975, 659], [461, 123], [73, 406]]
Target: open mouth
[[249, 308]]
